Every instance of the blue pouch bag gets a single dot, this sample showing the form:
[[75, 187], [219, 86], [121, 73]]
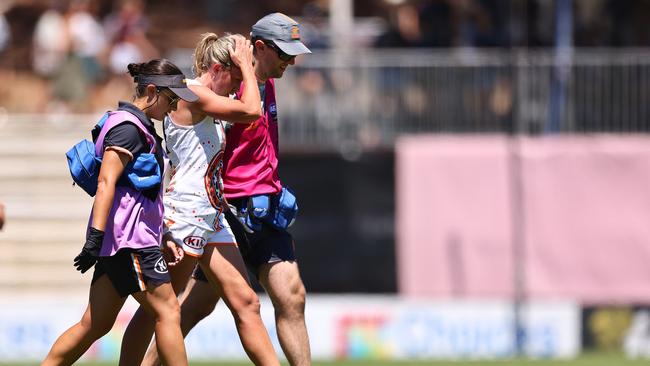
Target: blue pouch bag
[[144, 172], [278, 211], [259, 211], [286, 209], [84, 166], [84, 158]]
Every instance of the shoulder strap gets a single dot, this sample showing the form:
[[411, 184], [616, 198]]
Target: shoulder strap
[[269, 93], [114, 119]]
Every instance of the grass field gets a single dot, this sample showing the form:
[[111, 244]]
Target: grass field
[[590, 359]]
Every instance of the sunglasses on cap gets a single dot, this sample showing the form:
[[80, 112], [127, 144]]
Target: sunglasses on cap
[[281, 54], [175, 84], [173, 98]]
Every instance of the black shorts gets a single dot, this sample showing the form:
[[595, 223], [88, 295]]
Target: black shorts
[[270, 245], [131, 270]]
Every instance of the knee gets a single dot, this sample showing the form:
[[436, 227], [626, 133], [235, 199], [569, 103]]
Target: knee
[[293, 305], [247, 304], [95, 328], [298, 298], [170, 311]]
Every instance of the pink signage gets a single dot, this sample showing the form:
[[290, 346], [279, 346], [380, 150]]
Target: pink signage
[[585, 223]]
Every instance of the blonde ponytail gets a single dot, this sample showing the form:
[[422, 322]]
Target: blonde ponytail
[[212, 49]]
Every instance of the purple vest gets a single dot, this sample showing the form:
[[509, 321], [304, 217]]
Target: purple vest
[[134, 221]]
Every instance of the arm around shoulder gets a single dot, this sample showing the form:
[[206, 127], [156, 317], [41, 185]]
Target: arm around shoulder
[[232, 110]]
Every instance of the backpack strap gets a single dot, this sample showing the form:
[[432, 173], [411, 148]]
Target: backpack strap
[[115, 118]]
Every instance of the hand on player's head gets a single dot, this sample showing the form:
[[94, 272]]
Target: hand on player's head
[[242, 54]]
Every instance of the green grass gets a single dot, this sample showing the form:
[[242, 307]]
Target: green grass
[[588, 359]]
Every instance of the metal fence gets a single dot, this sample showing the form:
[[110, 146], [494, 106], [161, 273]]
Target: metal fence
[[365, 99]]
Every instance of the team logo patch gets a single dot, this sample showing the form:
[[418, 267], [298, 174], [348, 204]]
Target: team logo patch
[[273, 110], [213, 182], [194, 242], [295, 32], [161, 266]]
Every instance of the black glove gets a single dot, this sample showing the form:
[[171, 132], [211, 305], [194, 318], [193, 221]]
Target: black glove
[[90, 252]]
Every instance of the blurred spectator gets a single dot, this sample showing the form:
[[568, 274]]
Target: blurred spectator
[[591, 27], [21, 18], [501, 103], [126, 41], [403, 30], [436, 23], [87, 37], [314, 24], [2, 215], [126, 29], [50, 40], [630, 21], [478, 23], [5, 32], [534, 24], [68, 41]]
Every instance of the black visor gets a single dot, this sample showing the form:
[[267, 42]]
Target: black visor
[[175, 83]]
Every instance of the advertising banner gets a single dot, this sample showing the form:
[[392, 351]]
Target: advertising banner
[[340, 327]]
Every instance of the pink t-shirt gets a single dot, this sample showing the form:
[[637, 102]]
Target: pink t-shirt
[[251, 156]]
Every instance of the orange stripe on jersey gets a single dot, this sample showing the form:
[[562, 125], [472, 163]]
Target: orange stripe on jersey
[[138, 271], [192, 254], [222, 244]]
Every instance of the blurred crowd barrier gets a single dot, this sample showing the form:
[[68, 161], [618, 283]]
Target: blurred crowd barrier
[[363, 99], [366, 98]]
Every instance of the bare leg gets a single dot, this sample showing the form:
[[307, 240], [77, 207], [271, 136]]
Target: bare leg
[[141, 327], [197, 302], [225, 269], [162, 303], [103, 306], [287, 292]]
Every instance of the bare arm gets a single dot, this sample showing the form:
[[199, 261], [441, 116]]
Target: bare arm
[[113, 164], [248, 107], [242, 56], [224, 108], [112, 167]]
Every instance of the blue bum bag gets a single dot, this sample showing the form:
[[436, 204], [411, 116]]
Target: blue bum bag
[[286, 209], [84, 166], [84, 158], [277, 210]]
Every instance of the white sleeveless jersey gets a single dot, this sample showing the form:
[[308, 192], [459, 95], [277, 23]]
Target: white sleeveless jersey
[[195, 191]]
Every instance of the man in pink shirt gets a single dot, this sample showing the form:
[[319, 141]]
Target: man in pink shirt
[[251, 170]]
